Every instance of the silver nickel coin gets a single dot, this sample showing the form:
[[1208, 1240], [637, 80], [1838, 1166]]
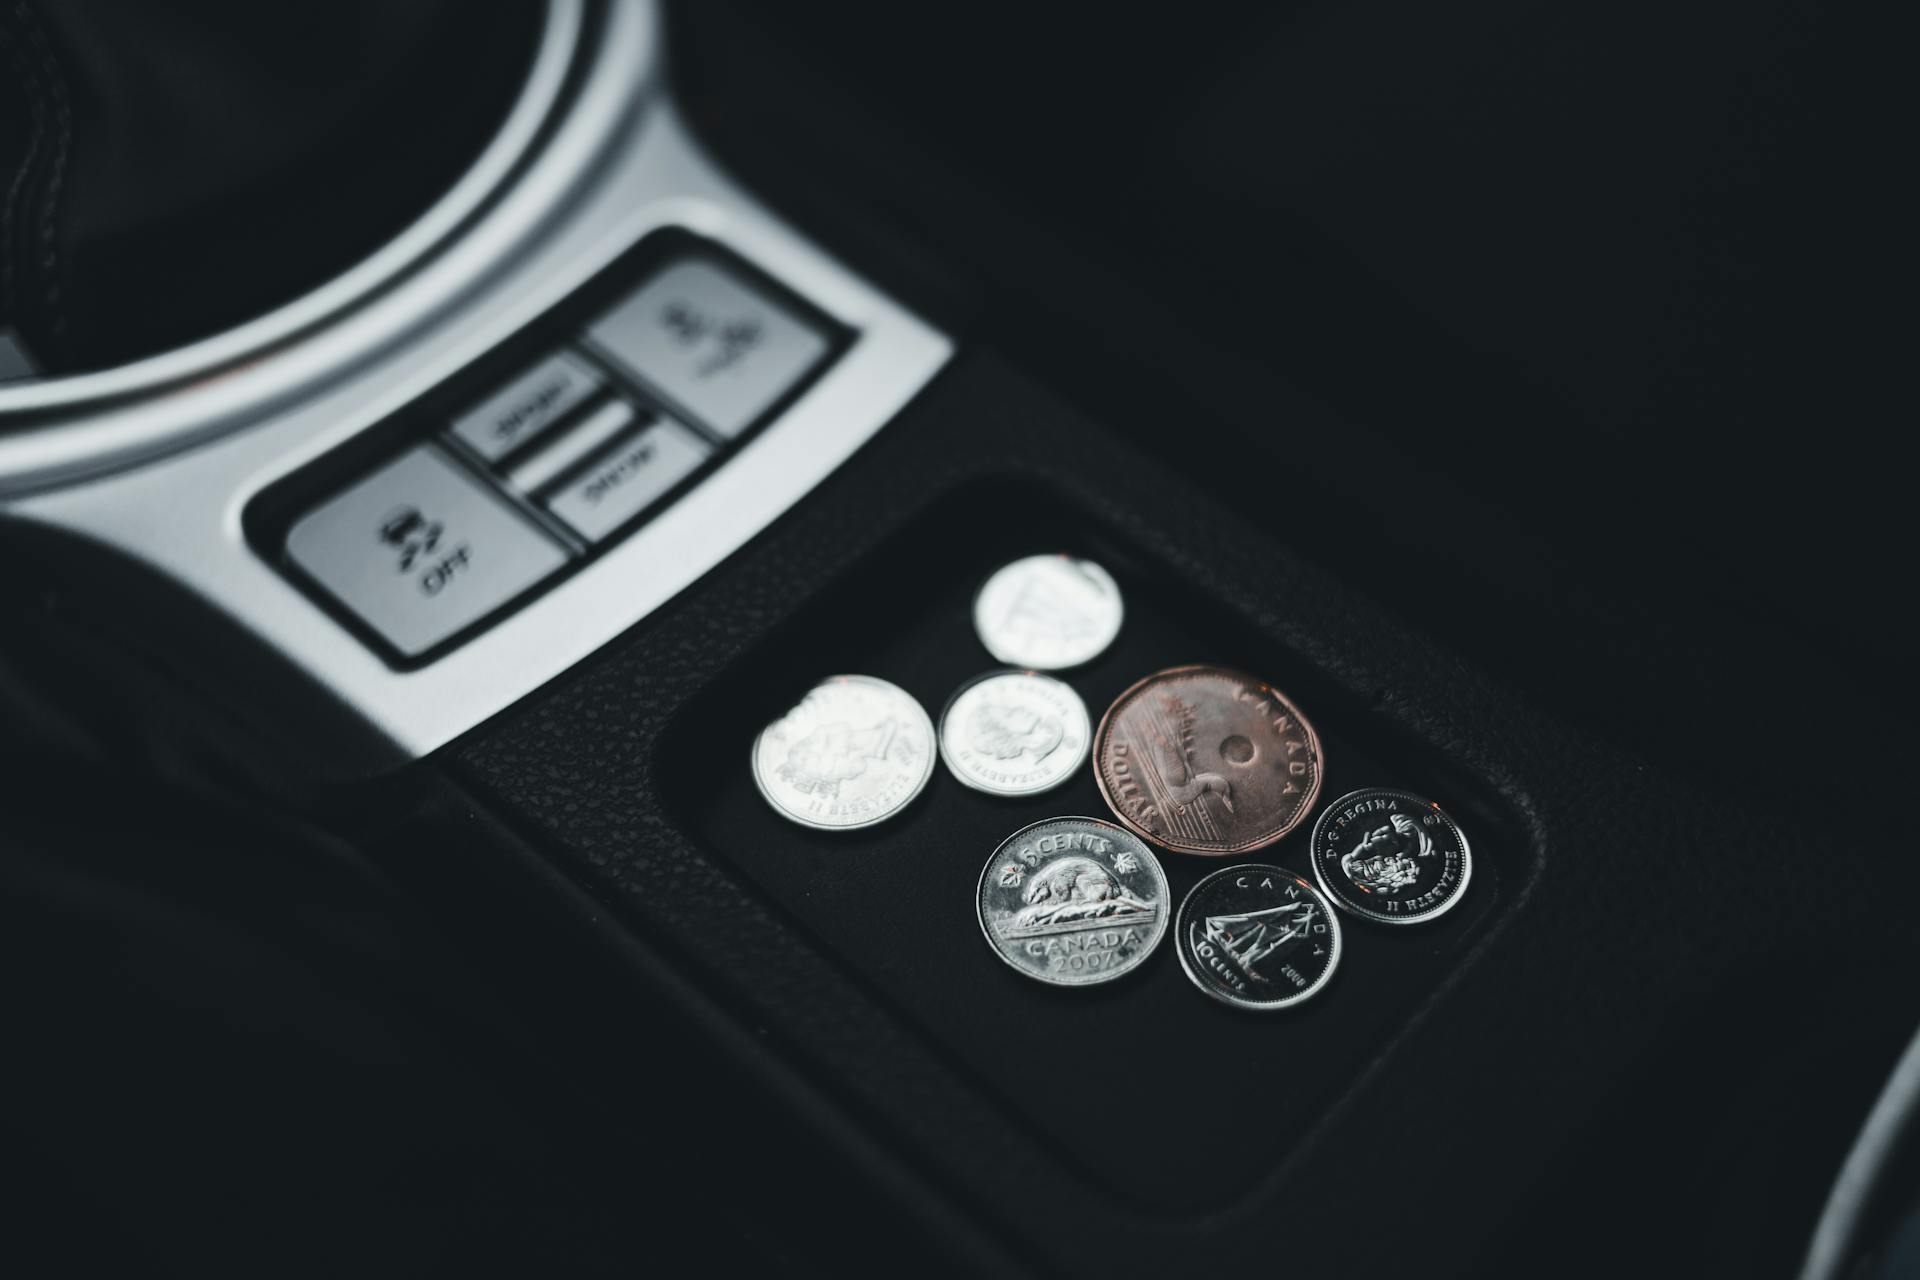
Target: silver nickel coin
[[1073, 901], [1257, 936], [1048, 612], [1390, 856], [854, 752], [1014, 733]]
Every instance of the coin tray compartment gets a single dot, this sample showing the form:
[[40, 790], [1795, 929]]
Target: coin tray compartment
[[1102, 1075]]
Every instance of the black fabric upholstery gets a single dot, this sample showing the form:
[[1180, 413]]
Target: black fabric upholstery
[[36, 141], [1600, 283], [176, 169], [240, 1046]]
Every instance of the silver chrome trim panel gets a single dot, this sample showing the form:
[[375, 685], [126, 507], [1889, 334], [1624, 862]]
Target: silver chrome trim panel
[[180, 516], [56, 429]]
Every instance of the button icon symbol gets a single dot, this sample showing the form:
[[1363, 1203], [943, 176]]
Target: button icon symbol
[[732, 340], [411, 534]]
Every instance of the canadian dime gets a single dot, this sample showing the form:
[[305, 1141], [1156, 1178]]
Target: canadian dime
[[1073, 901], [1256, 936], [1206, 760], [1014, 733], [854, 752], [1390, 856], [1048, 612]]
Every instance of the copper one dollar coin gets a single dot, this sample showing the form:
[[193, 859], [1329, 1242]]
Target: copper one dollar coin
[[1208, 761]]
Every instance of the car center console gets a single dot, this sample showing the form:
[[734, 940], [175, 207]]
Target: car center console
[[523, 532], [566, 452], [593, 372], [1138, 1109]]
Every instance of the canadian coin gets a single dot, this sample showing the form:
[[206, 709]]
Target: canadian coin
[[1048, 612], [1206, 760], [1390, 856], [1257, 936], [1073, 901], [1014, 733], [853, 753]]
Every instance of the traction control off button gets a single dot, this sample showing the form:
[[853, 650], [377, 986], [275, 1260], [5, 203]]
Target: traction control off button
[[420, 551]]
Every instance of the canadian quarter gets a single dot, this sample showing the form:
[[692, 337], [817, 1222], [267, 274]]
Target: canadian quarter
[[1073, 901], [855, 751], [1048, 612], [1014, 733], [1206, 760]]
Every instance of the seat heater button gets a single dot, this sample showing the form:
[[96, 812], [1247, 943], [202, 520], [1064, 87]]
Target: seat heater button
[[420, 550], [527, 406], [716, 347], [628, 478]]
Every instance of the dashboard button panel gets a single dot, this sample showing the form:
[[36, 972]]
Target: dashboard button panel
[[540, 458]]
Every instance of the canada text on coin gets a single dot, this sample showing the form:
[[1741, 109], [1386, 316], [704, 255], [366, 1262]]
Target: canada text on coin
[[1014, 733], [853, 753], [1073, 901], [1048, 612], [1257, 936], [1390, 856], [1206, 760]]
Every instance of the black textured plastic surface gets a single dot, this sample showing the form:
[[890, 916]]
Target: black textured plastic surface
[[1632, 914], [1085, 1070]]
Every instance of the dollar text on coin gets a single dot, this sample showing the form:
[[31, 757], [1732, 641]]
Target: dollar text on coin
[[1073, 901], [854, 752]]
